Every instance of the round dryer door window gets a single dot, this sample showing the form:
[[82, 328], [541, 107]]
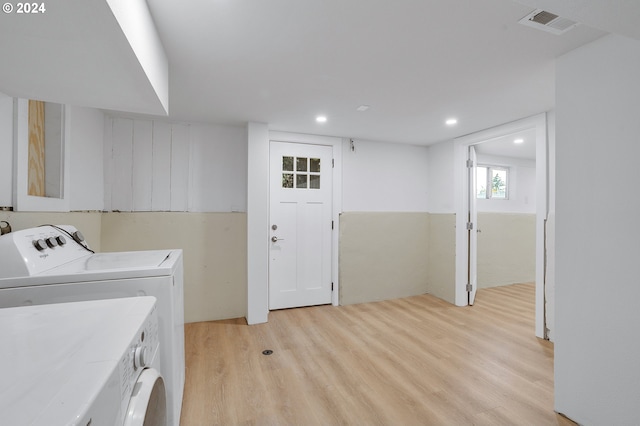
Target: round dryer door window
[[148, 404]]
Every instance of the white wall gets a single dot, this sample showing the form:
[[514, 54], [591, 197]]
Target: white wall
[[441, 188], [597, 373], [87, 189], [6, 150], [218, 168], [147, 165], [153, 165], [257, 223], [384, 177], [522, 186]]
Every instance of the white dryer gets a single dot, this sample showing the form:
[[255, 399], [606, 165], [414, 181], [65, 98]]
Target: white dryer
[[53, 264], [82, 363]]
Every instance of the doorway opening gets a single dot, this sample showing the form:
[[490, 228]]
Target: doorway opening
[[487, 142], [301, 218]]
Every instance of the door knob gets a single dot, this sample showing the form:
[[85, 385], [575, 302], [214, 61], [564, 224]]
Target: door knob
[[275, 239]]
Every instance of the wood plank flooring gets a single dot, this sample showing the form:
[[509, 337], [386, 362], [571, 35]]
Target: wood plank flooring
[[411, 361]]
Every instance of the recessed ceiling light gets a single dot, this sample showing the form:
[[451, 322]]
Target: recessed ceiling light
[[518, 140], [451, 121], [363, 108], [321, 119]]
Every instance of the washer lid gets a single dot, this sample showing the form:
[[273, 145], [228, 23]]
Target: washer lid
[[116, 265], [126, 260], [105, 266]]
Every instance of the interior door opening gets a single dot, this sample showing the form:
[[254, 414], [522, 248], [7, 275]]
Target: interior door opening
[[467, 229], [502, 203]]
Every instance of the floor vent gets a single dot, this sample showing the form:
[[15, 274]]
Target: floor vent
[[547, 21]]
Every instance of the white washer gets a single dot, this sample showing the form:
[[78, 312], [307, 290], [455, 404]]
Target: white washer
[[81, 363], [53, 264]]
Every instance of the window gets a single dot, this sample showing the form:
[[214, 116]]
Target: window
[[493, 178], [305, 175]]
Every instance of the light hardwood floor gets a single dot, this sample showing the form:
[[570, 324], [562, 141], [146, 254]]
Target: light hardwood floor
[[412, 361]]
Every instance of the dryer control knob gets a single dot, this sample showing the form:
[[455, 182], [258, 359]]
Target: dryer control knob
[[61, 240], [52, 242], [140, 357], [40, 244], [78, 236]]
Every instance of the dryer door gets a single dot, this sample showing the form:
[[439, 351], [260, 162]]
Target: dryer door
[[148, 404]]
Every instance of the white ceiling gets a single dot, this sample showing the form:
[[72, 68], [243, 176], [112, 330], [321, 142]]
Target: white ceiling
[[282, 62], [415, 63], [505, 146]]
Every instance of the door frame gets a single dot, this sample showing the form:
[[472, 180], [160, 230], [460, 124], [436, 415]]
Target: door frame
[[461, 146], [279, 198], [472, 247], [259, 141]]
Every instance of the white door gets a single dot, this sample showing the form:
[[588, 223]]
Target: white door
[[472, 286], [300, 225]]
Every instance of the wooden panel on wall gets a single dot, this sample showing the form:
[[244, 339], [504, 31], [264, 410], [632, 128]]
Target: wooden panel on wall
[[179, 167], [121, 194], [36, 173], [142, 164], [161, 170]]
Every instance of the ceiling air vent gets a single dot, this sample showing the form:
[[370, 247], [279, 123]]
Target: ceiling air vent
[[547, 21]]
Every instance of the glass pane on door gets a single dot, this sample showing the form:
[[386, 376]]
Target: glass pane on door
[[314, 164], [287, 164], [301, 181], [287, 180], [301, 164]]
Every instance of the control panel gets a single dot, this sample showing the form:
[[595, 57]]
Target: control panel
[[142, 353], [32, 251]]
